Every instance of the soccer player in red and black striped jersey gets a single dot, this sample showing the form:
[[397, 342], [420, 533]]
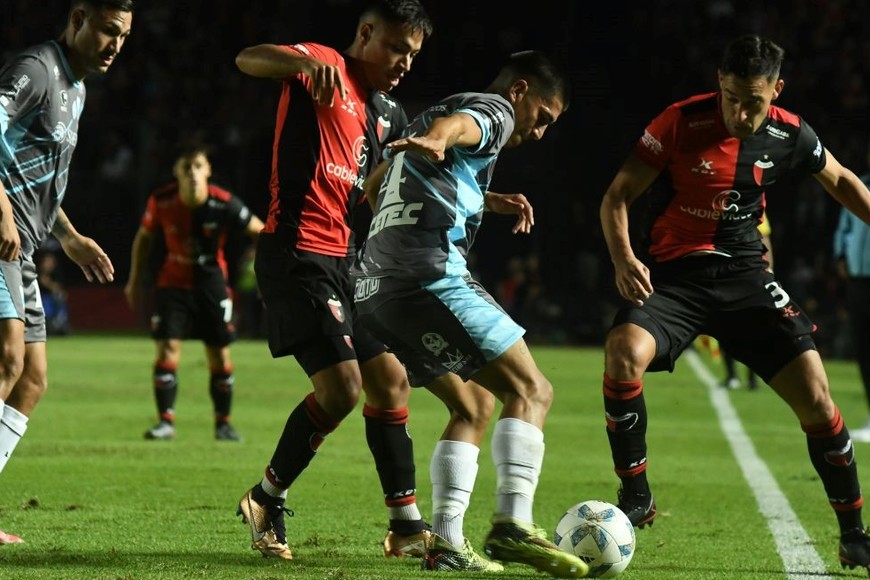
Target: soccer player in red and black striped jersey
[[192, 300], [706, 273], [334, 116]]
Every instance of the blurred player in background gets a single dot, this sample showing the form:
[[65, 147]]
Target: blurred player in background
[[194, 218], [333, 118], [721, 151], [732, 381], [852, 253], [414, 292], [42, 96]]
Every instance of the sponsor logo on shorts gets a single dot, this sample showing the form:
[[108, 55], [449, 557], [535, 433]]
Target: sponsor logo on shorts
[[434, 343], [365, 288], [456, 361]]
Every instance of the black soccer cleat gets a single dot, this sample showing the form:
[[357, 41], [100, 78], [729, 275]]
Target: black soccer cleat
[[855, 549], [640, 508]]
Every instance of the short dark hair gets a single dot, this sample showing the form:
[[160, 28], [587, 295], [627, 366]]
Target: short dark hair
[[189, 147], [122, 5], [407, 12], [545, 76], [752, 56]]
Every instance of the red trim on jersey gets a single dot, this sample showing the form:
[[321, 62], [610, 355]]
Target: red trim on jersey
[[320, 219], [166, 213]]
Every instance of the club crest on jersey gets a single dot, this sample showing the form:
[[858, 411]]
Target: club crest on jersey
[[335, 307], [383, 126], [758, 169]]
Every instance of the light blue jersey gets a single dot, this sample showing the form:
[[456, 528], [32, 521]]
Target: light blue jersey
[[428, 213], [852, 242], [40, 107]]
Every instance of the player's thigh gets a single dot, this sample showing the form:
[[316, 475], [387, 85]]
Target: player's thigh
[[308, 305], [173, 314], [212, 319], [515, 372], [672, 316], [451, 325], [760, 325]]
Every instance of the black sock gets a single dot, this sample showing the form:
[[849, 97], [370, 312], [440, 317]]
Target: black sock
[[165, 382], [626, 417], [303, 434], [833, 456]]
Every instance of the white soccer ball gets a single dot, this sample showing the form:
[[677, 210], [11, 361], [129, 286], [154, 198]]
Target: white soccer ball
[[600, 534]]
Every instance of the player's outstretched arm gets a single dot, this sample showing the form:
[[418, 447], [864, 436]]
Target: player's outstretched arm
[[456, 130], [82, 250], [276, 62], [631, 181], [846, 187]]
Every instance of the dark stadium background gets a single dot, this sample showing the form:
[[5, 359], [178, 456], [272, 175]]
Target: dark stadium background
[[627, 60]]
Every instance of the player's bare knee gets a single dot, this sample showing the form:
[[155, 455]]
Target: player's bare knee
[[625, 356], [475, 410], [343, 396]]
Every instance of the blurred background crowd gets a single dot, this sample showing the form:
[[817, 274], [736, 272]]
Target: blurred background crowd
[[176, 76]]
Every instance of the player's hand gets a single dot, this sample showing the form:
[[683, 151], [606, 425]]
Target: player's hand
[[434, 149], [512, 204], [325, 80], [10, 239], [633, 281], [90, 257]]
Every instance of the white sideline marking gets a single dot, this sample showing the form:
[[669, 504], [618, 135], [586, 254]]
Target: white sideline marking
[[794, 545]]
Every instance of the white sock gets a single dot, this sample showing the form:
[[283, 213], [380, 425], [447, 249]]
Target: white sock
[[518, 454], [453, 470], [12, 427], [272, 490], [410, 512]]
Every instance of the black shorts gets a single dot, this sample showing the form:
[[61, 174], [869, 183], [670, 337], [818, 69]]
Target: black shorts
[[309, 306], [735, 300], [204, 313]]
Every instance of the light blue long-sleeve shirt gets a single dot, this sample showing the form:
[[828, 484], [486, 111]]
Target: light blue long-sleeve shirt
[[852, 241]]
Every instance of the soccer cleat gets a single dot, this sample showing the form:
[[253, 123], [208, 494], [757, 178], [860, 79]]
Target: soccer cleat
[[855, 549], [640, 508], [444, 556], [399, 546], [163, 430], [268, 533], [9, 538], [225, 432], [512, 541]]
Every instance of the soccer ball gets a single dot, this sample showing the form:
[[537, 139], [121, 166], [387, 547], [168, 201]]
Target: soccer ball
[[600, 534]]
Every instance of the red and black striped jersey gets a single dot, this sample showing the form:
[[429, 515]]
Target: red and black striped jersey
[[715, 192], [194, 236], [321, 155]]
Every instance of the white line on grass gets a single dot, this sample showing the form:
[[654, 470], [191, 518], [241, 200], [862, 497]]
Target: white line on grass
[[794, 545]]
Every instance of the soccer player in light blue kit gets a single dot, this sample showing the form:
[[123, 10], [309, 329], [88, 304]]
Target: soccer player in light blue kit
[[415, 293], [42, 95]]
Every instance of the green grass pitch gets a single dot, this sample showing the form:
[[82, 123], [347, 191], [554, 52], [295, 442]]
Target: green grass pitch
[[94, 500]]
